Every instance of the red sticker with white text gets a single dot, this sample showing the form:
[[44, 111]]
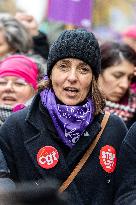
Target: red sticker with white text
[[47, 157], [108, 158]]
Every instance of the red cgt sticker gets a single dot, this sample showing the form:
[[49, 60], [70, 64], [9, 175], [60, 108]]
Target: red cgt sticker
[[47, 157], [108, 158]]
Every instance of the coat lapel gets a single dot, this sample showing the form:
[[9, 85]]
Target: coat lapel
[[43, 134], [39, 137], [34, 144]]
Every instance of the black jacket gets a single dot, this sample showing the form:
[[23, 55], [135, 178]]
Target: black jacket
[[27, 131], [41, 45], [126, 174]]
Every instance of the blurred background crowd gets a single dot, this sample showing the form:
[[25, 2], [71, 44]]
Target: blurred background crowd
[[106, 18]]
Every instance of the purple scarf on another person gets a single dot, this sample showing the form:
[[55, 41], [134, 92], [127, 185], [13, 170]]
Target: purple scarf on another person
[[69, 121]]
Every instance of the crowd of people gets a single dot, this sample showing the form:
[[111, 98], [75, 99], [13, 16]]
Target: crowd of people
[[67, 116]]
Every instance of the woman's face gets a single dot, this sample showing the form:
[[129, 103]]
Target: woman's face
[[71, 80], [4, 46], [115, 80], [14, 90]]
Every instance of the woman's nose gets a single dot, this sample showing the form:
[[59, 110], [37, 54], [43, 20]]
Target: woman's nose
[[124, 83], [9, 86], [72, 75]]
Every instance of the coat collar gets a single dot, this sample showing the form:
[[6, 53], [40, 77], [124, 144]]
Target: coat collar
[[32, 116], [39, 137]]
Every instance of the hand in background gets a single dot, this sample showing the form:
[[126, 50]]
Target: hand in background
[[29, 22]]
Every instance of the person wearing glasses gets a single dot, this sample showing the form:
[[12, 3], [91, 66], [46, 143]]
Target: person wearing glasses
[[18, 83]]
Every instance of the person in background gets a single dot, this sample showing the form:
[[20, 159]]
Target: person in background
[[117, 74], [40, 40], [16, 37], [34, 194], [126, 170], [18, 83], [48, 138], [129, 36]]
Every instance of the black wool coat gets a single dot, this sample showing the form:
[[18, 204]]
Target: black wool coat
[[126, 170], [25, 132]]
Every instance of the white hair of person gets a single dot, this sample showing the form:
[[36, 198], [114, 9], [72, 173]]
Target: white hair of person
[[15, 33]]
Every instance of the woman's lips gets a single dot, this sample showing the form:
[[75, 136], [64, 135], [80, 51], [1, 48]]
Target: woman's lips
[[8, 98], [71, 91]]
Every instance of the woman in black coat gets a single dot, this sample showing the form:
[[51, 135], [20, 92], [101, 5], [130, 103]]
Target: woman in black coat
[[49, 138], [126, 174]]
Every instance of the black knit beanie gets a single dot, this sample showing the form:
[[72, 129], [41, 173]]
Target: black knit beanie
[[79, 44]]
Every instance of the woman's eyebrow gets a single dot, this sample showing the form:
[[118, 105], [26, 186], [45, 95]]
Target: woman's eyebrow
[[65, 61], [120, 72], [83, 64]]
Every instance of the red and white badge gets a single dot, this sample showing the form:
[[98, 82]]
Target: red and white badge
[[47, 157], [108, 158]]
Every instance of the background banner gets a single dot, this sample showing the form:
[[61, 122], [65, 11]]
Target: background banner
[[76, 12]]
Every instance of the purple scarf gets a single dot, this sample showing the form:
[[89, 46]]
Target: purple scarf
[[69, 121]]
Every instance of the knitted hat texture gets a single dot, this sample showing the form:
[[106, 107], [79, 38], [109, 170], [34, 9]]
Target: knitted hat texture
[[20, 66], [79, 44]]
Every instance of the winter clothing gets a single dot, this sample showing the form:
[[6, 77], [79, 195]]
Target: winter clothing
[[78, 44], [126, 175], [18, 107], [125, 109], [41, 64], [6, 184], [20, 66], [5, 111], [41, 45], [76, 119], [126, 112], [26, 132]]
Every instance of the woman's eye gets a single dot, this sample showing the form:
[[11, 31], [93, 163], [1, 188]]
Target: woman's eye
[[3, 83], [19, 84], [117, 76], [84, 70], [63, 67]]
